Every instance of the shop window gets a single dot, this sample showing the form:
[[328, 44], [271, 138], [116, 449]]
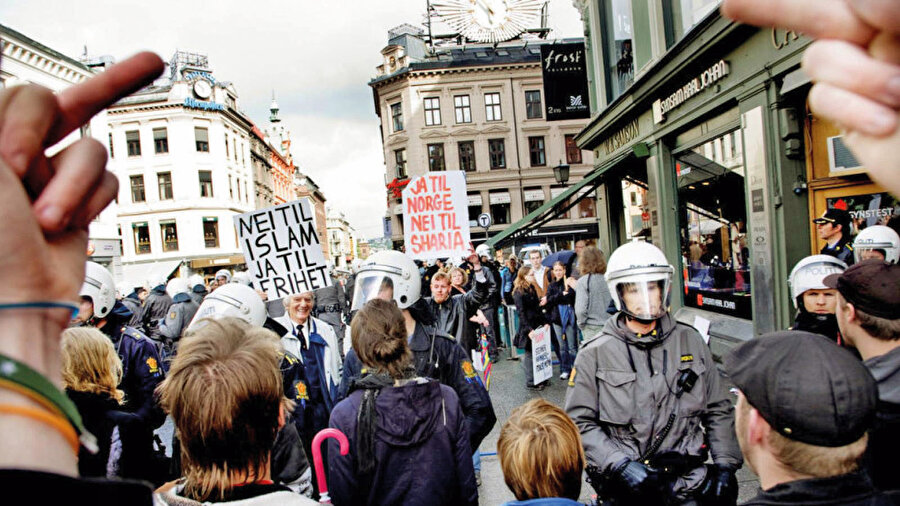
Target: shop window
[[169, 234], [463, 109], [436, 157], [467, 156], [680, 15], [500, 210], [432, 111], [206, 187], [497, 152], [141, 238], [492, 107], [133, 140], [637, 215], [137, 189], [400, 160], [397, 116], [201, 139], [713, 222], [160, 141], [211, 232], [536, 151], [573, 153], [533, 109], [534, 198], [165, 185]]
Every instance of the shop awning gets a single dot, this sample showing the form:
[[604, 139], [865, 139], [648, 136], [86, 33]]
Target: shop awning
[[143, 274], [550, 210]]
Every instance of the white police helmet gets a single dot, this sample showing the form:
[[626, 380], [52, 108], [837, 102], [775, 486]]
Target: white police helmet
[[483, 250], [242, 277], [809, 273], [875, 238], [195, 279], [235, 300], [224, 273], [100, 287], [636, 269], [389, 275], [176, 286]]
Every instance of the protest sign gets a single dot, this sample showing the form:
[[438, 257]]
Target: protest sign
[[282, 249], [542, 362], [436, 215]]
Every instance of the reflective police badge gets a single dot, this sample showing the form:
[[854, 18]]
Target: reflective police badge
[[152, 365], [468, 370]]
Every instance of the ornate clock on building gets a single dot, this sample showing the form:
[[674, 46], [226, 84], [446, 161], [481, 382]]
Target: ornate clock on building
[[488, 20], [202, 89]]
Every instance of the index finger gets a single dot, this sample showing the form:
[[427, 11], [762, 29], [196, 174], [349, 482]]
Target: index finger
[[80, 103], [828, 19]]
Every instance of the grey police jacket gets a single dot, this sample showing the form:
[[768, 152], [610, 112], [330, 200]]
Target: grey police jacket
[[624, 390]]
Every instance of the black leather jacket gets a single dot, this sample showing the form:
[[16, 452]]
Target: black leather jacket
[[452, 315]]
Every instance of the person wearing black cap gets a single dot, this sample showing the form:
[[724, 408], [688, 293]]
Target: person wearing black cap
[[833, 227], [803, 411], [868, 314]]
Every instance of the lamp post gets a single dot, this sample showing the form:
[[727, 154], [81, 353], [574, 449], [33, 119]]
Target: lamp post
[[561, 173]]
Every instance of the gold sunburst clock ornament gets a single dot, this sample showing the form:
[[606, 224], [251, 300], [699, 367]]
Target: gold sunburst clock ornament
[[488, 20]]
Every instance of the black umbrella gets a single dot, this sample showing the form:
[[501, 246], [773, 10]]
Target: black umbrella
[[566, 256]]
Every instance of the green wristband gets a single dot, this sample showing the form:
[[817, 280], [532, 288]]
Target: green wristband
[[16, 372]]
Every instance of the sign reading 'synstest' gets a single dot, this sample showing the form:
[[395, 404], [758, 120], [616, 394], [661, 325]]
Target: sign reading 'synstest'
[[282, 249], [435, 215]]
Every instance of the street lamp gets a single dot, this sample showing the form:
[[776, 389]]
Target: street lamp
[[561, 173]]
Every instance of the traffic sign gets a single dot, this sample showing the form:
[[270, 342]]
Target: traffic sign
[[484, 220]]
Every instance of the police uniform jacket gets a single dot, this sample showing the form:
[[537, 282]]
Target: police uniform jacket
[[884, 438], [452, 315], [624, 390], [141, 368], [332, 357], [436, 355], [843, 250], [180, 314]]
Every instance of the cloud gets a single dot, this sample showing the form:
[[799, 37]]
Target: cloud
[[317, 56]]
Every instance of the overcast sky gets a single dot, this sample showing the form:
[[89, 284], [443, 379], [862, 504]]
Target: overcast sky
[[317, 55]]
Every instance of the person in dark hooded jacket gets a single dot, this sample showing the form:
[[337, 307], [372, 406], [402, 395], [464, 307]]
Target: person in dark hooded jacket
[[155, 309], [408, 435]]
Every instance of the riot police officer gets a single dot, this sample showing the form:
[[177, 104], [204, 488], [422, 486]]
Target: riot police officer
[[877, 242], [180, 314], [647, 397], [814, 301], [141, 366], [391, 275]]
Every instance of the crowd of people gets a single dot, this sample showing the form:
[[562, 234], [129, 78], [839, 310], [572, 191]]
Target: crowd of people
[[249, 383]]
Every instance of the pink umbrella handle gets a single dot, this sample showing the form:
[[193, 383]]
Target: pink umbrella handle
[[317, 458]]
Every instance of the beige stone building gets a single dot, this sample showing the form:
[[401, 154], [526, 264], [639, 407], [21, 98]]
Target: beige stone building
[[480, 109]]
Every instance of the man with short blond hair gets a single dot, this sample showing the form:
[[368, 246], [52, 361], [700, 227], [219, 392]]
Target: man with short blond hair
[[225, 395]]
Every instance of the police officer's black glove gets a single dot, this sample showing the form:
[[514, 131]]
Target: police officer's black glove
[[720, 488], [636, 477]]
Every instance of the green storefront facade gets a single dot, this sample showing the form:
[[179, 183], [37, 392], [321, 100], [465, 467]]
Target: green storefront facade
[[712, 133]]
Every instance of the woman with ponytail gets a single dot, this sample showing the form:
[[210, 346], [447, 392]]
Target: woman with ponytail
[[408, 439]]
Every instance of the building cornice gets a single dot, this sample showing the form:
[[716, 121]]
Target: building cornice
[[409, 73], [25, 50]]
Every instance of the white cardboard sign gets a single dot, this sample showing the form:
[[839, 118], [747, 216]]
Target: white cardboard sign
[[282, 249], [436, 215], [542, 361]]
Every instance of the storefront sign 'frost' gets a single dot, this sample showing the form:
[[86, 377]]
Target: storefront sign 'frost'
[[436, 216], [282, 249]]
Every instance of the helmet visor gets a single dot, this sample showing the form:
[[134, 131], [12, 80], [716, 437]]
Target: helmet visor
[[371, 285], [870, 251], [645, 300]]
